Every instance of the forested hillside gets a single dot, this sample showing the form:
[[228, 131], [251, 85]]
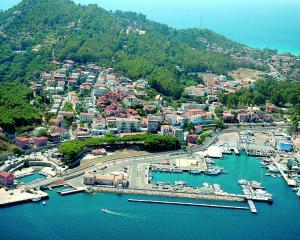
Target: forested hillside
[[37, 31]]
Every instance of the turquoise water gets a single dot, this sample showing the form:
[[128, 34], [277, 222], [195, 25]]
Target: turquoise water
[[79, 216], [257, 23], [31, 178]]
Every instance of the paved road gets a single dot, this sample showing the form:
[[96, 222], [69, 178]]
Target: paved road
[[121, 162]]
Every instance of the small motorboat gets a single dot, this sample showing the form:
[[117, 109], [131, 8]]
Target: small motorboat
[[44, 203], [37, 199], [105, 210]]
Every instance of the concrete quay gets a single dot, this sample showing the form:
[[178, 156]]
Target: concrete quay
[[18, 196], [170, 194]]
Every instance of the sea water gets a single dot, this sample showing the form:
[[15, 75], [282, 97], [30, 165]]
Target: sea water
[[79, 216]]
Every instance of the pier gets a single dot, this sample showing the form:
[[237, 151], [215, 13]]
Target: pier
[[18, 196], [71, 191], [187, 204], [252, 206]]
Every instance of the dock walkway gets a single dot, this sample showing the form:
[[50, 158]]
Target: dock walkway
[[252, 206]]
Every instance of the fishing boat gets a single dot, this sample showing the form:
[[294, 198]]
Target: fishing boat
[[242, 181], [180, 183], [273, 169], [213, 172], [37, 199]]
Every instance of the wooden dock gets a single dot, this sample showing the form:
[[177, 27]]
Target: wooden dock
[[187, 204], [252, 206]]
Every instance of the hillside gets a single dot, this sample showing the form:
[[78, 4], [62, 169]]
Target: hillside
[[35, 32]]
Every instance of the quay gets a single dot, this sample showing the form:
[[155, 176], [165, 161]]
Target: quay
[[148, 192], [252, 206], [72, 191], [290, 182], [187, 204], [18, 196]]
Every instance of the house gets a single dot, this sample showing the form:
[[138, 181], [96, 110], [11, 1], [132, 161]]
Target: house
[[86, 117], [270, 108], [55, 137], [41, 141], [193, 112], [228, 117], [130, 101], [187, 106], [153, 123], [165, 130], [62, 131], [23, 142], [196, 91], [6, 179]]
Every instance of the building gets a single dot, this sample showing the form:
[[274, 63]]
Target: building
[[86, 117], [23, 142], [178, 133], [116, 180], [228, 117], [6, 179], [41, 141], [192, 138], [285, 146], [196, 91], [97, 152], [165, 130], [153, 124], [128, 125]]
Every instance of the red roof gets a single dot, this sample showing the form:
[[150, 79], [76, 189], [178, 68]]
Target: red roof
[[5, 174], [41, 138], [23, 139]]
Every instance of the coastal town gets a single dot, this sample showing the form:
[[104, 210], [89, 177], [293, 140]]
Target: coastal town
[[93, 102]]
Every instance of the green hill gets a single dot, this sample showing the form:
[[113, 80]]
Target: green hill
[[37, 31]]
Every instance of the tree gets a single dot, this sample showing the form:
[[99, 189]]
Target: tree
[[218, 111]]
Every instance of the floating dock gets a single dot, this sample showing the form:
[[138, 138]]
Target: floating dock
[[252, 206], [187, 204]]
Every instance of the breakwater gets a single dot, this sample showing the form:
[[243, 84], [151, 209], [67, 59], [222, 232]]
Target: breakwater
[[187, 204], [229, 198]]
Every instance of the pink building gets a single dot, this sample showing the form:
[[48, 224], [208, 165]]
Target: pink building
[[192, 138], [6, 179]]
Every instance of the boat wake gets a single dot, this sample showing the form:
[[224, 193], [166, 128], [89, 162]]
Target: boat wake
[[116, 213]]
